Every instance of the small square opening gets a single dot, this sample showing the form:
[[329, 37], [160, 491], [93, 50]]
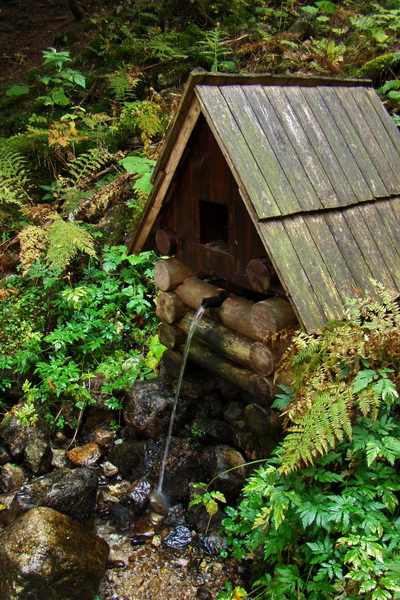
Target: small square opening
[[214, 228]]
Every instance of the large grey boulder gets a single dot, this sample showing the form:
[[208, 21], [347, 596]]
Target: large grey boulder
[[45, 555]]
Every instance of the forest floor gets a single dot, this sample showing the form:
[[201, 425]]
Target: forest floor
[[29, 26]]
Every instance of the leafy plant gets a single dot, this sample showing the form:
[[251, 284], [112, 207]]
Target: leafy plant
[[324, 522], [214, 50], [62, 336], [208, 499], [61, 79]]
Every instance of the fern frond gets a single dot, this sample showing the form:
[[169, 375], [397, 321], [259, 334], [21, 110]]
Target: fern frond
[[33, 244], [65, 240], [123, 84], [13, 177], [86, 164], [316, 431]]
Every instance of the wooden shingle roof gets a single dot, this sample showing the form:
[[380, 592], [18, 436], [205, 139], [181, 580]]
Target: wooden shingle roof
[[317, 163]]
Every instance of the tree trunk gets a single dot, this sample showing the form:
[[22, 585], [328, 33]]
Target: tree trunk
[[264, 357], [259, 272], [234, 346], [170, 307], [204, 357], [272, 314], [168, 273], [235, 313], [171, 336], [193, 290]]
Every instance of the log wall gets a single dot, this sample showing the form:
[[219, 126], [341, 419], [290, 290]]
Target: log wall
[[240, 342]]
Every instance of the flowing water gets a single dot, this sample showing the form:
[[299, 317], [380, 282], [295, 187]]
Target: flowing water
[[193, 326]]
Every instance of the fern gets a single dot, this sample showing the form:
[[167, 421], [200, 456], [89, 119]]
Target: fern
[[86, 164], [146, 117], [13, 177], [123, 84], [348, 368], [65, 240], [33, 244]]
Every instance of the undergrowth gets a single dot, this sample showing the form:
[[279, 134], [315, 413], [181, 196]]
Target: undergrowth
[[321, 519]]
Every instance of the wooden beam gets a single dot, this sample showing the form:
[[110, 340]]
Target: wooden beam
[[162, 184]]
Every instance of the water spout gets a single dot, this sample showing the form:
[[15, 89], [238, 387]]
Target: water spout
[[214, 301], [193, 325]]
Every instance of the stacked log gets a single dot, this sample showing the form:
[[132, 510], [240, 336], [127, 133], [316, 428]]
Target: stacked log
[[234, 341]]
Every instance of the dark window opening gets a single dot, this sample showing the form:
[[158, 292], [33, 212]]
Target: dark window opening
[[214, 228]]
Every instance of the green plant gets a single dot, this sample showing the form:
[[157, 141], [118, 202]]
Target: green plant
[[64, 336], [60, 79], [347, 368], [208, 499], [325, 523], [380, 25], [214, 50]]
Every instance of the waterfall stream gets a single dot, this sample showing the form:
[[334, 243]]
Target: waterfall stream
[[193, 326]]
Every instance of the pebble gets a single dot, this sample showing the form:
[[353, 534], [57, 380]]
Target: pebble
[[109, 469]]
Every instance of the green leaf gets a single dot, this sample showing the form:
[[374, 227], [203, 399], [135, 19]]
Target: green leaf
[[17, 90], [59, 97]]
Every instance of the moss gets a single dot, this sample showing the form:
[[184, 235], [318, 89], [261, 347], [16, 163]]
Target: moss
[[379, 68]]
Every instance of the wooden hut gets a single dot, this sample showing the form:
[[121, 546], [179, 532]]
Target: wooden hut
[[286, 187]]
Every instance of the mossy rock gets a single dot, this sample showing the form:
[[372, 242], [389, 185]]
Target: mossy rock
[[379, 68]]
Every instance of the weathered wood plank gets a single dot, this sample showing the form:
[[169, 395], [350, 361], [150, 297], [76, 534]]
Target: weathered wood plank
[[366, 131], [308, 156], [359, 268], [337, 142], [317, 138], [370, 252], [312, 260], [286, 158], [384, 127], [354, 142], [291, 271], [331, 255], [263, 149], [389, 215], [382, 240], [236, 151]]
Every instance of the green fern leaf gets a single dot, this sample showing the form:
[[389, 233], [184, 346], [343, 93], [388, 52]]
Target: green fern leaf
[[65, 240]]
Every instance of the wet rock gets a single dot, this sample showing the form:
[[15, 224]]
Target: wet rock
[[266, 425], [140, 495], [182, 466], [219, 460], [175, 516], [5, 512], [248, 444], [214, 429], [178, 538], [103, 437], [15, 435], [85, 456], [233, 412], [71, 492], [129, 457], [121, 516], [148, 408], [203, 593], [11, 477], [4, 456], [38, 454], [142, 532], [44, 555], [109, 469], [158, 503], [59, 459], [211, 544]]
